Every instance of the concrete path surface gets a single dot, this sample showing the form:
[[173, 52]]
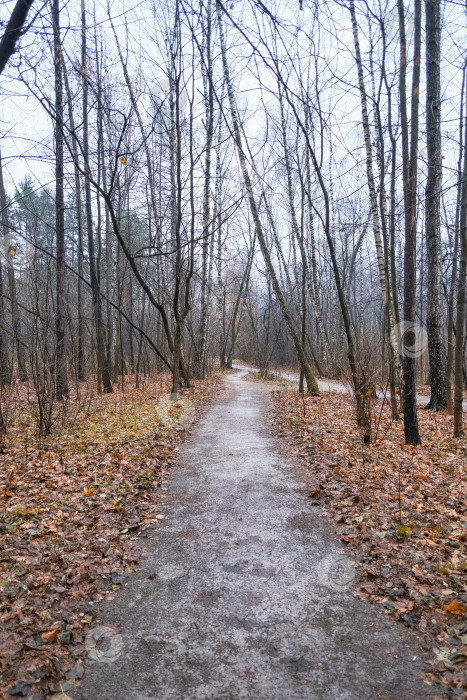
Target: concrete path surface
[[341, 388], [245, 590]]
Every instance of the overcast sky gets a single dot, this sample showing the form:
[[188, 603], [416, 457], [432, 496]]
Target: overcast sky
[[26, 129]]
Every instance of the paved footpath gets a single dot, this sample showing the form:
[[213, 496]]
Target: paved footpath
[[245, 591]]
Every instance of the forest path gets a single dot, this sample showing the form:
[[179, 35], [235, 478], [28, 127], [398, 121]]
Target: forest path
[[341, 388], [244, 591]]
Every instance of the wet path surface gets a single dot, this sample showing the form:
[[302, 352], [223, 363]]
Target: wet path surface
[[245, 591]]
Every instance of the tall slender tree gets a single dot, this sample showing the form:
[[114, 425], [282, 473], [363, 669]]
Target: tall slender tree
[[61, 381], [409, 167], [434, 314], [103, 369], [379, 231], [200, 350], [18, 343], [312, 385], [461, 300]]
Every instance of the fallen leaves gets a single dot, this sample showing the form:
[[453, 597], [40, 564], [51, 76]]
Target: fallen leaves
[[402, 510], [49, 636], [70, 509], [456, 608]]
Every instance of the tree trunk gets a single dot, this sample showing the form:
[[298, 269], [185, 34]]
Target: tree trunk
[[200, 349], [434, 315], [5, 373], [327, 225], [452, 289], [461, 292], [381, 249], [103, 374], [298, 235], [80, 369], [312, 385], [241, 292], [61, 382], [15, 319], [13, 31], [409, 165]]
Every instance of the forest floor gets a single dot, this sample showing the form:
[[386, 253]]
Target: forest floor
[[205, 565], [402, 511], [70, 507], [244, 591]]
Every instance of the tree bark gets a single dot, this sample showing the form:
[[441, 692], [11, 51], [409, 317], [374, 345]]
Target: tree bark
[[5, 373], [61, 382], [434, 316], [409, 165], [200, 350], [103, 373], [15, 318], [452, 289], [461, 301], [80, 368], [13, 31]]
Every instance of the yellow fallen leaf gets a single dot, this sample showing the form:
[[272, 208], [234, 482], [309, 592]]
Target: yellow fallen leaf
[[456, 608], [122, 160]]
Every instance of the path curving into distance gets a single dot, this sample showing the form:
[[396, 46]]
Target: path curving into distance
[[342, 388], [245, 590]]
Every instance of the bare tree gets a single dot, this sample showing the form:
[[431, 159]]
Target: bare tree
[[18, 342], [13, 31], [103, 369], [312, 385], [434, 317], [60, 301], [409, 165], [461, 300]]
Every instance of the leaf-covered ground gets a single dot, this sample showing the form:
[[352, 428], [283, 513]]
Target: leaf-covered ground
[[69, 511], [401, 509]]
